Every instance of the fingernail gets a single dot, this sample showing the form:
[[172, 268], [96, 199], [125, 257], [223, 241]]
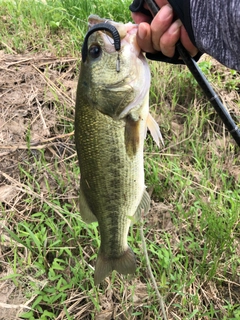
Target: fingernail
[[142, 32], [166, 12], [175, 27]]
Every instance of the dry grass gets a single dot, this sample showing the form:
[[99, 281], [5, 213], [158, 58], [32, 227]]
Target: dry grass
[[34, 89], [38, 173]]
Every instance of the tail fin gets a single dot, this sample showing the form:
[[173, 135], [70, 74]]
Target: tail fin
[[124, 264]]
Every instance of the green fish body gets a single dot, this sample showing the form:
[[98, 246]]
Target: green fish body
[[111, 121]]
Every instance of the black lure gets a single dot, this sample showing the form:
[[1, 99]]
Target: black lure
[[101, 26]]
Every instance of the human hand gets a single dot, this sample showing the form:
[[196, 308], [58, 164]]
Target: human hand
[[162, 32]]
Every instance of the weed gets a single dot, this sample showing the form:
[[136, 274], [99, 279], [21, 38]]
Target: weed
[[192, 231]]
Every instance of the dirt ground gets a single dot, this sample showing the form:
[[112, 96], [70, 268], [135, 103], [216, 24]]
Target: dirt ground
[[33, 88]]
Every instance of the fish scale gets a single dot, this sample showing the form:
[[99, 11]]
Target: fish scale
[[106, 170], [111, 119]]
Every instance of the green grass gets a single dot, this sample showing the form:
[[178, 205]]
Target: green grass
[[29, 25], [192, 231]]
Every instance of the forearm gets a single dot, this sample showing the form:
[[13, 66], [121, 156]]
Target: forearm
[[211, 26], [216, 29]]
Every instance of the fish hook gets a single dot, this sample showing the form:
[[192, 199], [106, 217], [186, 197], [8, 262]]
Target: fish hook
[[116, 38]]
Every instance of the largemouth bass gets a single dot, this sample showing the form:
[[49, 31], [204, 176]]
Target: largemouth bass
[[111, 120]]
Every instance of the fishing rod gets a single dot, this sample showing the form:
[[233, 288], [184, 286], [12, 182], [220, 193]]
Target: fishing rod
[[214, 99]]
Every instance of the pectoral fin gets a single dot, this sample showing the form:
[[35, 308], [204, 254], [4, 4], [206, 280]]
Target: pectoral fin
[[132, 135], [85, 211], [154, 130]]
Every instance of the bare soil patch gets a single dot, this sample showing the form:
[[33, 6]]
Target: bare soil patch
[[34, 91], [37, 97]]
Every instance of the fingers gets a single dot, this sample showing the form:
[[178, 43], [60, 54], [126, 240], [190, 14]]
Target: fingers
[[170, 38], [187, 43], [160, 25], [149, 36], [163, 32], [139, 17], [144, 38], [161, 3]]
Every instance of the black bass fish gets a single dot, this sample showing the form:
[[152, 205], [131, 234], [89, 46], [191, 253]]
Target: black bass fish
[[111, 120]]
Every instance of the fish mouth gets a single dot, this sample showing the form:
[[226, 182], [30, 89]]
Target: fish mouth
[[138, 80], [128, 37], [126, 31], [142, 73]]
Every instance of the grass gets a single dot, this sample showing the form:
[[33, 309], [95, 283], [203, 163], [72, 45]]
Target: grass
[[192, 231]]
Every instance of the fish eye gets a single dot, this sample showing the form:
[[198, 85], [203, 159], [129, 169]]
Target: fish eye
[[95, 51]]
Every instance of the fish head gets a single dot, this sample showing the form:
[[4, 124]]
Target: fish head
[[114, 81]]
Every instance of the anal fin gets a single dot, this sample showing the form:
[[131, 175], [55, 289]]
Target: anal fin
[[85, 211], [142, 208]]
